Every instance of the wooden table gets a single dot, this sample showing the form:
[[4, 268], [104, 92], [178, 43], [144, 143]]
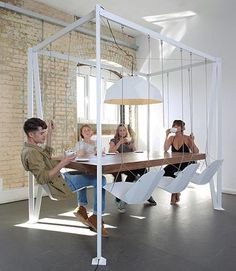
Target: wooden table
[[131, 160]]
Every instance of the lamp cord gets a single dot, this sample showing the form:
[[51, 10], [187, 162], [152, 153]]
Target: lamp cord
[[117, 45]]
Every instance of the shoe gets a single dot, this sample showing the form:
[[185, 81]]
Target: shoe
[[152, 201], [92, 222], [121, 206], [82, 215]]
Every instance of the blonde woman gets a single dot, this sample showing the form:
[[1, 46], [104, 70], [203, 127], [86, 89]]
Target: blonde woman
[[123, 143]]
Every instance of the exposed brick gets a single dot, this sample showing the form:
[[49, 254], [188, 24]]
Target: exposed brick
[[18, 33]]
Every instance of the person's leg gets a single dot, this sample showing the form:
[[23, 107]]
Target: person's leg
[[76, 182], [95, 195], [117, 178], [170, 171], [82, 197], [80, 211], [92, 220], [131, 176]]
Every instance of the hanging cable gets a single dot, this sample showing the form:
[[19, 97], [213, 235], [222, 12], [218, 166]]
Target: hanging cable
[[162, 82], [182, 82], [168, 98], [206, 99], [191, 91], [42, 73], [117, 45], [66, 91], [55, 90], [148, 106]]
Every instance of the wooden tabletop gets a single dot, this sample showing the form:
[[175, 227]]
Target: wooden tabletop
[[131, 160]]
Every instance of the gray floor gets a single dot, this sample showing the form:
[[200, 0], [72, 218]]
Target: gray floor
[[191, 236]]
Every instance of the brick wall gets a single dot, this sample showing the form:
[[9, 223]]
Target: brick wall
[[18, 33]]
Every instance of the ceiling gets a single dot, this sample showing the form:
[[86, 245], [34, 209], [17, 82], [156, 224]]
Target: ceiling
[[133, 10]]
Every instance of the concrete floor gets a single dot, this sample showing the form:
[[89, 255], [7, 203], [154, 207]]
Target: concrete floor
[[191, 236]]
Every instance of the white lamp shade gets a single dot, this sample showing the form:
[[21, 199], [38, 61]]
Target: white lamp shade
[[132, 90]]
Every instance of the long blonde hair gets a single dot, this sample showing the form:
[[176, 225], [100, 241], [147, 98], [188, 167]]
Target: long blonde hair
[[117, 137]]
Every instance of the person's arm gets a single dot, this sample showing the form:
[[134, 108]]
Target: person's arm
[[36, 165], [131, 146], [168, 141], [114, 147], [64, 162], [51, 127], [79, 149], [193, 147]]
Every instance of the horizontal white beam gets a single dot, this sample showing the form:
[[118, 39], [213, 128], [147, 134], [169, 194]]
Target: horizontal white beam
[[77, 60], [55, 21], [153, 34], [184, 67], [64, 31]]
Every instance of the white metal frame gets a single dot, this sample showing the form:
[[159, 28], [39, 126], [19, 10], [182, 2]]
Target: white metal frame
[[34, 83]]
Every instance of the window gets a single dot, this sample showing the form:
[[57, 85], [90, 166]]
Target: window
[[87, 101]]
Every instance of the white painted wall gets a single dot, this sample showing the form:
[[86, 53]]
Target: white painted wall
[[211, 31]]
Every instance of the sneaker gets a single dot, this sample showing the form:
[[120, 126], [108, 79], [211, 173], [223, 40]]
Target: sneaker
[[81, 213], [92, 222], [121, 206], [151, 201]]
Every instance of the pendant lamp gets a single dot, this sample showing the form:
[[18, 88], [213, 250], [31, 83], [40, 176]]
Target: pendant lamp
[[132, 90]]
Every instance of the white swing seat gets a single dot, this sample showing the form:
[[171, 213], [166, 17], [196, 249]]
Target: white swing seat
[[178, 184], [138, 192], [207, 174], [47, 190]]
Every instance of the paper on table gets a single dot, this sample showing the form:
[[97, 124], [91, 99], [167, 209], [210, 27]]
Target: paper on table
[[79, 159]]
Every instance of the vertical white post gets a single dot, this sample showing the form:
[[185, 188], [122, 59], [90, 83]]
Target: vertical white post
[[99, 260], [38, 203], [39, 107], [30, 109], [219, 137], [215, 105], [210, 129]]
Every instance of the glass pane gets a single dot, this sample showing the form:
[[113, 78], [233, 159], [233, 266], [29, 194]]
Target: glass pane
[[110, 111], [92, 98], [80, 97]]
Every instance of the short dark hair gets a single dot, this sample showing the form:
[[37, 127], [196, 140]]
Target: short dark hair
[[33, 124], [179, 123]]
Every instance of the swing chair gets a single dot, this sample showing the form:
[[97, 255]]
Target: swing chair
[[178, 184], [129, 90], [207, 174], [138, 192]]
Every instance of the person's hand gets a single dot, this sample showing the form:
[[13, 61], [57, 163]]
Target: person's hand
[[80, 153], [51, 126], [191, 136], [123, 140], [67, 159], [167, 132]]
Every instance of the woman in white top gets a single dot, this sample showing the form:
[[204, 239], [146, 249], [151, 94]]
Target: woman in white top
[[85, 147]]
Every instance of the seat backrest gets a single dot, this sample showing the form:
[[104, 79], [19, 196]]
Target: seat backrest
[[181, 181], [207, 174], [144, 187]]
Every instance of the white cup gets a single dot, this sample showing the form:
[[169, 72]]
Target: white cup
[[173, 130], [69, 152], [128, 139]]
